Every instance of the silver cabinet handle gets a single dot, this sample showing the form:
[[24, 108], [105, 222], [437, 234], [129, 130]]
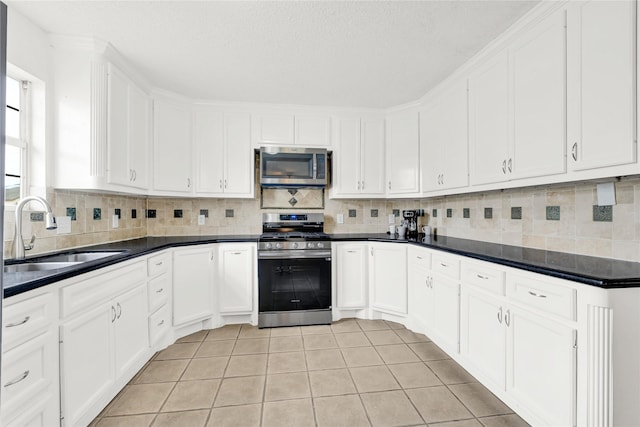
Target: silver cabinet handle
[[480, 276], [442, 180], [135, 175], [574, 151], [159, 263], [22, 322], [418, 256], [237, 253], [161, 322], [351, 252], [119, 310], [371, 251], [509, 165], [507, 318], [358, 185], [130, 174], [221, 184], [443, 264], [188, 182], [159, 290], [500, 315], [225, 183], [113, 310], [504, 167], [19, 378], [362, 185], [537, 295], [426, 282], [389, 185]]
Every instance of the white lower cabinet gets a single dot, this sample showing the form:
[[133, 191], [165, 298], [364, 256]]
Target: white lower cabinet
[[419, 291], [388, 273], [350, 261], [236, 277], [193, 274]]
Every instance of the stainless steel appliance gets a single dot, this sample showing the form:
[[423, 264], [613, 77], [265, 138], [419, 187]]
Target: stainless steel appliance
[[293, 167], [294, 271]]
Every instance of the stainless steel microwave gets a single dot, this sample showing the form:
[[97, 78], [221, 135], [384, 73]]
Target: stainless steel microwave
[[293, 167]]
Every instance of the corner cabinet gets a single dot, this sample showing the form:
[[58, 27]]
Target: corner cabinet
[[350, 261], [193, 282], [224, 159], [402, 148], [359, 158], [388, 277], [172, 167], [236, 278]]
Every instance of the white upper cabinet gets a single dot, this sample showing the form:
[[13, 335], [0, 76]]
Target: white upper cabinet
[[443, 140], [223, 154], [517, 107], [313, 131], [172, 147], [128, 125], [272, 128], [402, 147], [602, 78], [307, 130], [358, 161]]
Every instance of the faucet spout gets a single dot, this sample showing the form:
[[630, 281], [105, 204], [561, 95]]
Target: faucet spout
[[50, 223]]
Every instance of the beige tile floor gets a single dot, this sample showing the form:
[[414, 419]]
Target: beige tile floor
[[352, 373]]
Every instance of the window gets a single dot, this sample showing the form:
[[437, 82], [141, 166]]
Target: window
[[16, 140]]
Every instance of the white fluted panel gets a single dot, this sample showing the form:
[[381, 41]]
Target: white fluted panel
[[99, 101], [599, 347]]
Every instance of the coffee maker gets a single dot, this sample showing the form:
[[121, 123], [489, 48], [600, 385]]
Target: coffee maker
[[411, 219]]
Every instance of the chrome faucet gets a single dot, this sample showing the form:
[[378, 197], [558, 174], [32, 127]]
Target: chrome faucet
[[50, 224]]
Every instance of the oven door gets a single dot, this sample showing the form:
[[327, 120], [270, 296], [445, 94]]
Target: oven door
[[294, 280]]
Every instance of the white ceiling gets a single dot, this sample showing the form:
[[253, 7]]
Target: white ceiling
[[335, 53]]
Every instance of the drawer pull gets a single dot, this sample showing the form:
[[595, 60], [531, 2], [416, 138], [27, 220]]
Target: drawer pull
[[161, 322], [13, 325], [351, 252], [537, 295], [159, 290], [159, 263], [16, 380], [444, 265], [237, 253], [419, 257], [480, 276]]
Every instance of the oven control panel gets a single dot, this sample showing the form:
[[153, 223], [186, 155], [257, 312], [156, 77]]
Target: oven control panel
[[288, 245]]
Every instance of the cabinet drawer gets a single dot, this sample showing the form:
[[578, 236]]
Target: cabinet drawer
[[24, 373], [483, 276], [547, 295], [27, 319], [98, 288], [158, 264], [159, 291], [419, 257], [447, 265], [159, 324]]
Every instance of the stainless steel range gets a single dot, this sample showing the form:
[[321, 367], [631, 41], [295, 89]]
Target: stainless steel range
[[294, 271]]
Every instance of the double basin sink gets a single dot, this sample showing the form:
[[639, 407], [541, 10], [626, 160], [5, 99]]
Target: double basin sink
[[57, 262]]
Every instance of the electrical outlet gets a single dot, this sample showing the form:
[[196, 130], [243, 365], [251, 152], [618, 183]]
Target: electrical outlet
[[392, 219], [340, 219], [64, 224], [114, 221], [200, 219]]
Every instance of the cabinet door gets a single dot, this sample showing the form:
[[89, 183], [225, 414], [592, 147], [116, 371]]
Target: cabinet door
[[208, 143], [538, 61], [389, 277], [541, 366], [239, 157], [86, 361], [131, 332], [489, 121], [192, 284], [273, 129], [403, 160], [430, 148], [602, 48], [139, 127], [236, 272], [313, 131], [454, 137], [420, 296], [351, 267], [347, 158], [118, 169], [483, 336], [372, 167], [172, 147], [446, 312]]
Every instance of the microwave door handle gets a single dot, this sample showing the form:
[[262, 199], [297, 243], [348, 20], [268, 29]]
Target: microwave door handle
[[315, 166]]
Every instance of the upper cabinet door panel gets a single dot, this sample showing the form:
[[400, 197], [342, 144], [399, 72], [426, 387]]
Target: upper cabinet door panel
[[313, 131], [538, 61], [372, 157], [489, 121], [346, 159], [454, 137], [208, 142], [240, 166], [118, 170], [172, 147], [430, 140], [139, 136], [273, 129], [403, 162], [602, 75]]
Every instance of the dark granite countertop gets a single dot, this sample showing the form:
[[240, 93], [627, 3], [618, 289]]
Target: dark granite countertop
[[600, 272]]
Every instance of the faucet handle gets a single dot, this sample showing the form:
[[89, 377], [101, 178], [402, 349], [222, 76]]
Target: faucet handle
[[31, 243]]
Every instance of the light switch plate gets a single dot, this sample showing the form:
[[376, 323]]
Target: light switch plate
[[64, 224], [392, 219], [114, 221], [200, 219], [340, 219]]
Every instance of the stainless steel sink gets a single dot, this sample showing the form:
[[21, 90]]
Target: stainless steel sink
[[80, 256], [37, 266]]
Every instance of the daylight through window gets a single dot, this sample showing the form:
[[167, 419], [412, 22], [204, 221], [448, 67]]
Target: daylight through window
[[15, 149]]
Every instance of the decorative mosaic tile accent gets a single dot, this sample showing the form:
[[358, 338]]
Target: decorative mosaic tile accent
[[434, 213], [134, 213], [177, 213], [488, 213], [553, 213], [374, 213], [228, 213], [150, 213], [396, 212], [72, 213], [204, 212], [293, 201], [466, 213], [119, 213], [97, 214], [449, 213], [37, 216], [516, 212], [352, 213], [602, 213]]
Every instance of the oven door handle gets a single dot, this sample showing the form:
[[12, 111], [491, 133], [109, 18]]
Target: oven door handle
[[294, 254]]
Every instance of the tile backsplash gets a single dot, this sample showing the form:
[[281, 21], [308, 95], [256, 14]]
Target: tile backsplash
[[557, 217]]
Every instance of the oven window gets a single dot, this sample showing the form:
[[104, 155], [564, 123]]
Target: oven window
[[287, 166], [294, 284]]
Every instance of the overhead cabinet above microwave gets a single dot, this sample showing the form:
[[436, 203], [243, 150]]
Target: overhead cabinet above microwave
[[293, 167]]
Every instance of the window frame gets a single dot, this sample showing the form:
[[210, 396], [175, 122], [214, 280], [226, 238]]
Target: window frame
[[23, 141]]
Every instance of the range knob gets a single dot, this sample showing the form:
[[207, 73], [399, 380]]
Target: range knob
[[320, 245], [278, 245], [294, 245], [310, 244], [268, 246]]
